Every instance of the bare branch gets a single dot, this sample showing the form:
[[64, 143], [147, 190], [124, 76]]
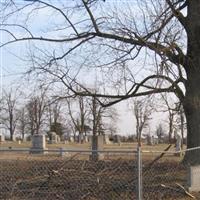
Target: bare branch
[[177, 13]]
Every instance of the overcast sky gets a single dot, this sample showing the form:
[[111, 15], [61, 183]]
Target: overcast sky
[[13, 65]]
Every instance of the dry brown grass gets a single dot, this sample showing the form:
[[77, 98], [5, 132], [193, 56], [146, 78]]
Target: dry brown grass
[[74, 177]]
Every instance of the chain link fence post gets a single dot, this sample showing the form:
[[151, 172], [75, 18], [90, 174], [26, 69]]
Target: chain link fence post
[[139, 173]]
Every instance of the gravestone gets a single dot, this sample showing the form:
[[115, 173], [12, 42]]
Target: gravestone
[[86, 139], [38, 144], [24, 139], [71, 139], [66, 142], [107, 139], [156, 140], [58, 139], [53, 138], [150, 140], [178, 142], [2, 138], [97, 145], [64, 137], [14, 138], [81, 138], [117, 139], [194, 179]]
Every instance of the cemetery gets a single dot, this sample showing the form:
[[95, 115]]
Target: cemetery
[[99, 100], [113, 170]]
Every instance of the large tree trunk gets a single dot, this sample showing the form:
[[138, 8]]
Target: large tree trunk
[[192, 112], [191, 102]]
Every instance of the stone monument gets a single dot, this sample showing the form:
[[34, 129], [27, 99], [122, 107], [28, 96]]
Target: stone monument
[[117, 139], [71, 139], [107, 139], [86, 139], [150, 140], [178, 143], [81, 138], [97, 145], [38, 144], [194, 179], [2, 138], [53, 138]]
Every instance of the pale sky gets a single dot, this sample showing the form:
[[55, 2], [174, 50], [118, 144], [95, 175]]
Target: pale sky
[[12, 66]]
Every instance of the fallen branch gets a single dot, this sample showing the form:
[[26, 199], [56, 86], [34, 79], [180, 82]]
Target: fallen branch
[[178, 190], [185, 191]]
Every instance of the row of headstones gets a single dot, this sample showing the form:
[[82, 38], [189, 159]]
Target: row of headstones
[[39, 145], [53, 138], [151, 140], [86, 139], [39, 141]]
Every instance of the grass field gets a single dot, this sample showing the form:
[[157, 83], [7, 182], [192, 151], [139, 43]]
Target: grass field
[[159, 147], [74, 177]]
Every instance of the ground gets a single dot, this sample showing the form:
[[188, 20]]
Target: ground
[[75, 177]]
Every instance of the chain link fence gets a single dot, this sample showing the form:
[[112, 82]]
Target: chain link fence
[[166, 176], [67, 175], [73, 175]]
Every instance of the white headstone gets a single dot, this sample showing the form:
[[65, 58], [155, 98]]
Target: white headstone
[[81, 138], [107, 140], [53, 138], [2, 138], [66, 142], [86, 139], [97, 145], [178, 142], [150, 140], [194, 179], [71, 139], [14, 138]]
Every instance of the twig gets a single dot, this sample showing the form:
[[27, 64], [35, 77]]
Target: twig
[[178, 190], [185, 191]]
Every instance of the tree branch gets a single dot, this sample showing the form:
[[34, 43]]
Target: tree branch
[[177, 13]]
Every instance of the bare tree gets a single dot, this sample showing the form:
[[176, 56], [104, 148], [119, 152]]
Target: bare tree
[[160, 132], [172, 111], [79, 115], [101, 116], [89, 113], [9, 115], [36, 108], [53, 112], [22, 122], [168, 31], [176, 119], [142, 112]]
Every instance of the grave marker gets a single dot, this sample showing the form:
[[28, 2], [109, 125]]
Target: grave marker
[[38, 144]]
